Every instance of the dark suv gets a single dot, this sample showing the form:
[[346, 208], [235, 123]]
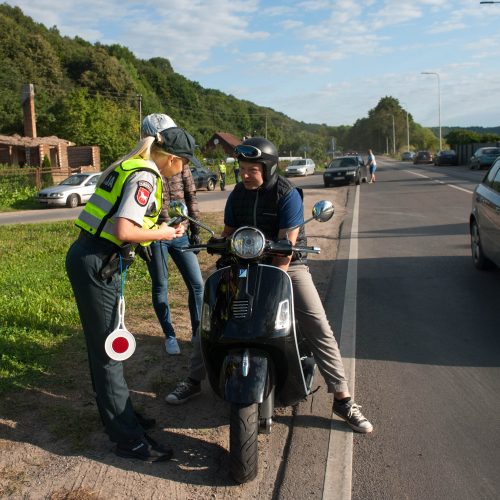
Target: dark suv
[[446, 157], [422, 157], [204, 178], [345, 170]]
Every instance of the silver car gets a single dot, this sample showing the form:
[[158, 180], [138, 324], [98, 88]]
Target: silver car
[[484, 220], [71, 192], [300, 167]]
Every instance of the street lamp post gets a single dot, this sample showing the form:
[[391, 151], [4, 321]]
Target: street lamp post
[[407, 132], [407, 127], [393, 137], [439, 104]]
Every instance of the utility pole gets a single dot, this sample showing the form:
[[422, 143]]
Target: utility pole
[[139, 99]]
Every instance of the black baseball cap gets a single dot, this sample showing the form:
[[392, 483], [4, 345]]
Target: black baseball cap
[[177, 141]]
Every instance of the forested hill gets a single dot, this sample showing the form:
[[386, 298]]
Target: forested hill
[[89, 93], [92, 93]]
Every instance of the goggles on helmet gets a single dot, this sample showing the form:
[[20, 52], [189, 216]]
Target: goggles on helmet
[[251, 152]]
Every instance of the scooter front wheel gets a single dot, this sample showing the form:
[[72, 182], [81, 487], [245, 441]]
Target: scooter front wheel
[[244, 445]]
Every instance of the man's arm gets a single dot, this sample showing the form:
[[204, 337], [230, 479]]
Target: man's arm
[[283, 261], [227, 231]]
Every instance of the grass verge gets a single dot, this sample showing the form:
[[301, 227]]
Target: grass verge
[[39, 323]]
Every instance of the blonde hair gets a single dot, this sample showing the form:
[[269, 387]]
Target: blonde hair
[[146, 148]]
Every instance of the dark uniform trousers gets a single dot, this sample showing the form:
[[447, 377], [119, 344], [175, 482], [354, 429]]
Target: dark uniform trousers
[[97, 303]]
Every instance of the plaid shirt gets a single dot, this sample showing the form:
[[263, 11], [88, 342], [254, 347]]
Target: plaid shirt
[[181, 187]]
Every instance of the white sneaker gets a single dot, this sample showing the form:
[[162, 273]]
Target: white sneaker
[[171, 346]]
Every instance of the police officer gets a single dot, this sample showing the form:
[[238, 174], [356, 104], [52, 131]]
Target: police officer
[[222, 175], [120, 214], [236, 168]]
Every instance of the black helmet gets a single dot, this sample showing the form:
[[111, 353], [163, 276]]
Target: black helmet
[[259, 150]]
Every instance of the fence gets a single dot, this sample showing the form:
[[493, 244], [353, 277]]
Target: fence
[[465, 151], [30, 177]]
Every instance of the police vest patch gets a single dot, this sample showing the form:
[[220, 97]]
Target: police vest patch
[[143, 192], [109, 182]]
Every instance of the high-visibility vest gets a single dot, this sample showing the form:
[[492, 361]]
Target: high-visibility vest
[[222, 168], [103, 204]]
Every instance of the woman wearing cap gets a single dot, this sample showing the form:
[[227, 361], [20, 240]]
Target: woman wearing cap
[[123, 210], [178, 187]]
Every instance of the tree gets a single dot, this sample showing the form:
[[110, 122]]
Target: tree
[[95, 120], [462, 136]]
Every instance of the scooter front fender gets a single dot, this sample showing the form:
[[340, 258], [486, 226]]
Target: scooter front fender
[[245, 377]]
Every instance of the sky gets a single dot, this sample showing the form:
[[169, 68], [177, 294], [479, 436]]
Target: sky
[[316, 61]]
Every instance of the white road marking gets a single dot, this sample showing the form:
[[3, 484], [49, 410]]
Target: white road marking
[[338, 474], [438, 181]]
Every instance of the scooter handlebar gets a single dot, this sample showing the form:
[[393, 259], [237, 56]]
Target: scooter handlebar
[[307, 249], [220, 246]]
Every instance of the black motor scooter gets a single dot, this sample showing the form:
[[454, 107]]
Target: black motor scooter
[[253, 355]]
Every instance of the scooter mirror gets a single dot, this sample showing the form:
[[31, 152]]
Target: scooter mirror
[[177, 208], [323, 211]]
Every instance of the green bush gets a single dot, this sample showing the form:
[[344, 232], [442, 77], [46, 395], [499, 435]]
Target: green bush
[[17, 191]]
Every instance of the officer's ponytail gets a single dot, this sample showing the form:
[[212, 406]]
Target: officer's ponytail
[[142, 149]]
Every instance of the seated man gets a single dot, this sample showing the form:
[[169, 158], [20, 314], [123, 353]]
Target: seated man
[[273, 204]]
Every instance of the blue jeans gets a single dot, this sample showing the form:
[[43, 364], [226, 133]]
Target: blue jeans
[[188, 265]]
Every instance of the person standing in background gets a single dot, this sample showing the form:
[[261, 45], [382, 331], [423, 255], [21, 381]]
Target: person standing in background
[[372, 165], [222, 175], [178, 187], [236, 168]]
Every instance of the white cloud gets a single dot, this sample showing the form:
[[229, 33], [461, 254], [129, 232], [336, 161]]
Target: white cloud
[[291, 24]]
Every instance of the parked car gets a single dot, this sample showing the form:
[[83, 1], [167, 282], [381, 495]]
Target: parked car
[[303, 166], [446, 157], [484, 220], [71, 192], [422, 157], [484, 157], [408, 156], [204, 178], [345, 170]]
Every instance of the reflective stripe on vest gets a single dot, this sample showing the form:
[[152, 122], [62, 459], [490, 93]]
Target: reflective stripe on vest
[[97, 213]]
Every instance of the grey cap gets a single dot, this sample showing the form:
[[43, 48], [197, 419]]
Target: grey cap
[[177, 141], [156, 122]]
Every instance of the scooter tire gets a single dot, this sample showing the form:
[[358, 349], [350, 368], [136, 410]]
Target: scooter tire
[[244, 444]]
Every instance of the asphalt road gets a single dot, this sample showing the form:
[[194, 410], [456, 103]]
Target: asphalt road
[[427, 347], [428, 343]]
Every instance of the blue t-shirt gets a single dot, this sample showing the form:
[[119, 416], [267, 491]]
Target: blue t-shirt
[[290, 211]]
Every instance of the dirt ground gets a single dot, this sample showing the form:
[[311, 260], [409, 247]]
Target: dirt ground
[[51, 441]]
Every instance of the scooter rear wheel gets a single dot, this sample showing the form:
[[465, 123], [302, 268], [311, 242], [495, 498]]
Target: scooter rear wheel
[[244, 445]]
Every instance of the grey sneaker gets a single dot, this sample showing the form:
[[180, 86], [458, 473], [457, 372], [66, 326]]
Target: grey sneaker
[[351, 413], [183, 392], [171, 346]]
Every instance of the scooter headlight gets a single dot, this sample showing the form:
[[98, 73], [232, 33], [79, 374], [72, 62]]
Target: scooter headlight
[[248, 243]]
